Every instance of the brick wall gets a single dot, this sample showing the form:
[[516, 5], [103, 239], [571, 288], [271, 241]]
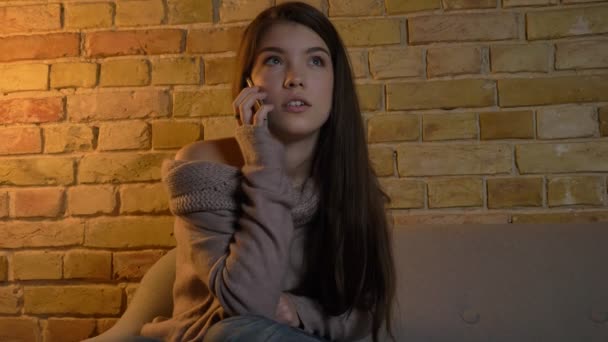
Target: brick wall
[[476, 111]]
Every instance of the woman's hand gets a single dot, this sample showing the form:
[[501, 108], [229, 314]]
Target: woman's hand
[[286, 312], [243, 107]]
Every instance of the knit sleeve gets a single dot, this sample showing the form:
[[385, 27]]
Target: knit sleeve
[[344, 327], [240, 252]]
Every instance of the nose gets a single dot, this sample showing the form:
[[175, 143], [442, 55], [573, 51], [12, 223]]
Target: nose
[[293, 79]]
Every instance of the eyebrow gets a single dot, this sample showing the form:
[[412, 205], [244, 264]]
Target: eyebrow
[[309, 50]]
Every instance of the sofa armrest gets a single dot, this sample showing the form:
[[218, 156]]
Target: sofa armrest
[[154, 297]]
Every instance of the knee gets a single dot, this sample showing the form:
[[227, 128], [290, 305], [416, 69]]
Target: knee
[[237, 328]]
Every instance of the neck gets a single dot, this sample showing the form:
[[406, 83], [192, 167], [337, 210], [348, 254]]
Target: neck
[[299, 156]]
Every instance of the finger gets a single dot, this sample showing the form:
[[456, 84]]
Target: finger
[[247, 105], [261, 117], [242, 96]]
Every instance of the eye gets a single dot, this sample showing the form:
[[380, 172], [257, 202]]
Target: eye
[[272, 60], [316, 60]]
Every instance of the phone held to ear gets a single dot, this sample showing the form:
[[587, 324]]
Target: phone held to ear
[[258, 103]]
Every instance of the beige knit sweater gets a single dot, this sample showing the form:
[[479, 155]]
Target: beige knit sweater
[[240, 239]]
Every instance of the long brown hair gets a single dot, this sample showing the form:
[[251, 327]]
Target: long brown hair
[[349, 255]]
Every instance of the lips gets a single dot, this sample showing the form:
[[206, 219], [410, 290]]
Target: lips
[[296, 98]]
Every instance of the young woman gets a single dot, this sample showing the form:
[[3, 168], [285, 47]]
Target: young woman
[[281, 232]]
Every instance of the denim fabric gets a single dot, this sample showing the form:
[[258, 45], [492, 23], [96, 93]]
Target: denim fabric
[[251, 328]]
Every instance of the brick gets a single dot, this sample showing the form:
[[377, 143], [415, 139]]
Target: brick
[[346, 8], [566, 122], [454, 94], [44, 46], [139, 12], [382, 159], [384, 128], [41, 110], [20, 140], [561, 217], [18, 19], [69, 329], [218, 128], [318, 4], [454, 61], [133, 265], [176, 71], [575, 190], [463, 27], [10, 300], [208, 102], [17, 329], [603, 116], [44, 171], [555, 90], [404, 193], [399, 6], [405, 219], [87, 264], [190, 11], [369, 32], [79, 299], [507, 125], [3, 268], [88, 15], [42, 202], [130, 290], [515, 192], [521, 58], [3, 213], [437, 127], [514, 3], [134, 42], [390, 63], [567, 22], [581, 55], [174, 134], [432, 160], [105, 324], [130, 232], [144, 198], [124, 72], [455, 192], [242, 10], [219, 70], [124, 135], [121, 167], [36, 265], [73, 75], [22, 77], [18, 234], [91, 200], [468, 4], [370, 96], [114, 105], [562, 157], [358, 62], [68, 138], [214, 39]]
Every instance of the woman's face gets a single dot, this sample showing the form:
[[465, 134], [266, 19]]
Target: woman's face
[[293, 65]]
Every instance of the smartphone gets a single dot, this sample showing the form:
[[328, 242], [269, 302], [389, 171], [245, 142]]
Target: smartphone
[[258, 103]]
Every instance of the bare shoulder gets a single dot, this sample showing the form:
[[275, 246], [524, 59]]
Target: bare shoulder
[[224, 151]]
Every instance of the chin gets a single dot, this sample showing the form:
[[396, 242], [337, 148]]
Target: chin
[[287, 132]]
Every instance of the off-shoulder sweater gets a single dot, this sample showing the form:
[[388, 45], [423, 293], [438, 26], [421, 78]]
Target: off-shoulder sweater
[[240, 239]]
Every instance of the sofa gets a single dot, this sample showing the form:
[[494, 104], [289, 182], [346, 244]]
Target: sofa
[[467, 282]]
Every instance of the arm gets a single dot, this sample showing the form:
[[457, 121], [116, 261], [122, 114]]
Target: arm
[[242, 263], [314, 320]]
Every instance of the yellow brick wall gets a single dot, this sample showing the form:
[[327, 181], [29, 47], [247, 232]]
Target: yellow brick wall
[[489, 111]]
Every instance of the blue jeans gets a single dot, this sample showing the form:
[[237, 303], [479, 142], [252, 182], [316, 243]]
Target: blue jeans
[[252, 328]]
